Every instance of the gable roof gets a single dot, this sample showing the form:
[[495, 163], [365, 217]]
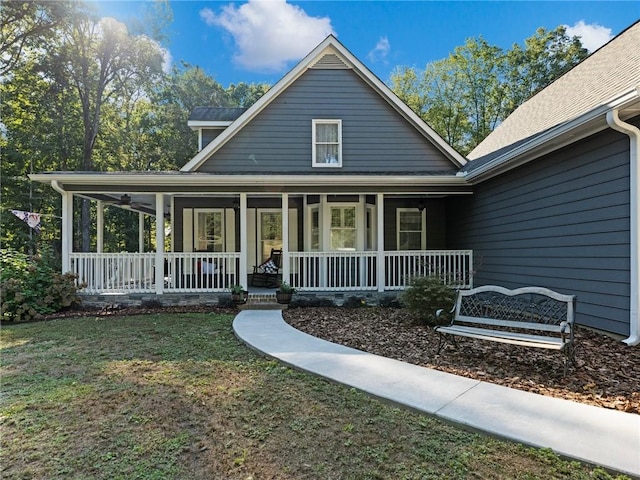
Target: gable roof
[[601, 80], [328, 54]]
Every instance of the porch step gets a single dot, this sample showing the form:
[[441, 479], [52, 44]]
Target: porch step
[[262, 301]]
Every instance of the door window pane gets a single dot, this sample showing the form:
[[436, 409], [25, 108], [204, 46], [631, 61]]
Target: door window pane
[[210, 231], [270, 232]]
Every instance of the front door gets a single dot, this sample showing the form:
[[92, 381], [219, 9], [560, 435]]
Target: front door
[[269, 233]]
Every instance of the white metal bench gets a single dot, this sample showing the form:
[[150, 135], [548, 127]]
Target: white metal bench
[[530, 316]]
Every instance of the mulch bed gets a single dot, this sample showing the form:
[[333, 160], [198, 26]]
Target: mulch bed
[[607, 373]]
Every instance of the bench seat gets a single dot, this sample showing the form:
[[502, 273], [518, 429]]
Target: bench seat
[[514, 338], [530, 316]]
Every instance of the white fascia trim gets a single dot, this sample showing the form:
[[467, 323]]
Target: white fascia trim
[[163, 180], [329, 43], [196, 124], [510, 159], [633, 133]]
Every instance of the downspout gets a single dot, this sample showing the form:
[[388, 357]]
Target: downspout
[[633, 132]]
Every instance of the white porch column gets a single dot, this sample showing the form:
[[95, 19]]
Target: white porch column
[[242, 274], [67, 231], [141, 231], [100, 226], [159, 244], [380, 237], [285, 238]]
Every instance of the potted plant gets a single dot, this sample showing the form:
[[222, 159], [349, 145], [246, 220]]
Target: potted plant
[[238, 294], [284, 293]]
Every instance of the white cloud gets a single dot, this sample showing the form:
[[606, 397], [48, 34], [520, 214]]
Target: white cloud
[[592, 36], [269, 33], [381, 51]]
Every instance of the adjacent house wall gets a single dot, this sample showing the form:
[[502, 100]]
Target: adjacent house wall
[[562, 222], [375, 137]]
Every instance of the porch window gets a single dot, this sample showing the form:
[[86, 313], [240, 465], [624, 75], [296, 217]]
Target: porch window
[[411, 231], [209, 227], [343, 228], [327, 143]]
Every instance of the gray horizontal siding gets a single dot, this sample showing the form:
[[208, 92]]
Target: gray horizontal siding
[[210, 134], [376, 138], [561, 222]]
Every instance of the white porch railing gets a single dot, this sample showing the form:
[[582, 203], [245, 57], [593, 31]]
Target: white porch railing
[[201, 271], [135, 272], [308, 271], [455, 267], [340, 271], [114, 272]]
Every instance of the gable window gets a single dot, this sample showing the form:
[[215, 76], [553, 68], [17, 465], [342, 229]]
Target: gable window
[[411, 231], [327, 143]]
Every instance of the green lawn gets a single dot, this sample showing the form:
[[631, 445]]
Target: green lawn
[[178, 396]]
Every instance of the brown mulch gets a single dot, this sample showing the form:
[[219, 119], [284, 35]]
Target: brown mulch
[[607, 373]]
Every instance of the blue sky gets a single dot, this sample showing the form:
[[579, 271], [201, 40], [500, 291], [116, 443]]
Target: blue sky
[[260, 40]]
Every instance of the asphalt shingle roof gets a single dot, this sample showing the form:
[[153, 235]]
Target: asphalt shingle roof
[[216, 114], [609, 71]]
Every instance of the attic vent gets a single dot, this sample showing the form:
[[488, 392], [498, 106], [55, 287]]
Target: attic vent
[[330, 61]]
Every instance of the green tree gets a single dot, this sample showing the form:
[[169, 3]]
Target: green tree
[[246, 94], [25, 25], [103, 63], [546, 55], [466, 95]]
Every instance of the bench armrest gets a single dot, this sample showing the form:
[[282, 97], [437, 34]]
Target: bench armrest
[[440, 311]]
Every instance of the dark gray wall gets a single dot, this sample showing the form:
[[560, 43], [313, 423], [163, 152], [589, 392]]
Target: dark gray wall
[[562, 222], [436, 223], [375, 137]]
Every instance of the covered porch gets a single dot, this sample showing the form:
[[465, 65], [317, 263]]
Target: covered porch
[[335, 236]]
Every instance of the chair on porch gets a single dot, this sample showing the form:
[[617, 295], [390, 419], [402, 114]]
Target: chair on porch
[[267, 274]]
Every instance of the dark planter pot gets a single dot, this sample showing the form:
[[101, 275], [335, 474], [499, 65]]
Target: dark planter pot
[[240, 298], [282, 297]]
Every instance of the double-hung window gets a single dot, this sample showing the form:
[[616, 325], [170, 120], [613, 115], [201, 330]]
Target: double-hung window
[[327, 143], [411, 229]]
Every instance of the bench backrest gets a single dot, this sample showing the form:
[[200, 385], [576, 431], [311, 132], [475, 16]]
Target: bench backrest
[[531, 305]]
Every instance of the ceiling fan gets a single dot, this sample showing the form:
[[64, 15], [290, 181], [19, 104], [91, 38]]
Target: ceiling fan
[[125, 201]]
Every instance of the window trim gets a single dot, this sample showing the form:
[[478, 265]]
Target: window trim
[[314, 144]]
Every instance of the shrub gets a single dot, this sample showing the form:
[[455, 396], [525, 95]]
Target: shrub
[[354, 302], [425, 295], [32, 288]]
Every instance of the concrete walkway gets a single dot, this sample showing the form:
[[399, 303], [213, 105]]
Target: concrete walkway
[[590, 434]]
